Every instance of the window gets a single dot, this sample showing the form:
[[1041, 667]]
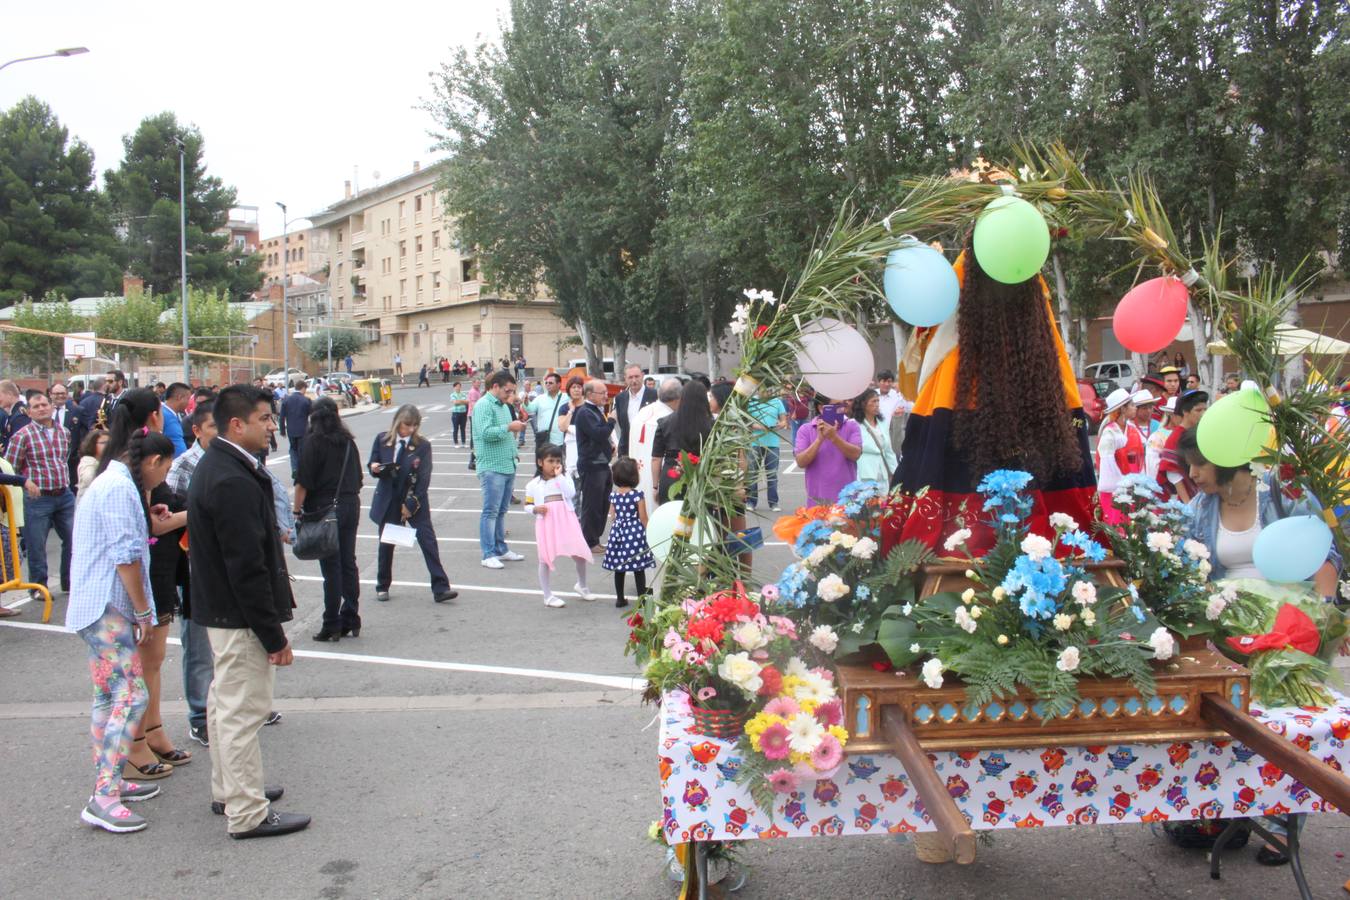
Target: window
[[417, 339], [418, 245], [403, 287], [477, 332], [449, 335], [417, 203], [402, 212], [517, 338], [301, 251], [435, 240], [339, 237], [402, 252], [467, 270]]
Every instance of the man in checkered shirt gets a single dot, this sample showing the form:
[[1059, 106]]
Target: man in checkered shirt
[[40, 452]]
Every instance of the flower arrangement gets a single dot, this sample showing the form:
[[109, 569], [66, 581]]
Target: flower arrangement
[[1168, 571], [799, 734], [1284, 633], [840, 578]]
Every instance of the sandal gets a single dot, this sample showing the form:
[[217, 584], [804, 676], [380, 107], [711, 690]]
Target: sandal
[[152, 772], [173, 756]]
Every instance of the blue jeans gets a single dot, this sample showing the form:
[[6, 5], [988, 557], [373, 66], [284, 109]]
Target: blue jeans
[[198, 668], [41, 515], [765, 458], [496, 501]]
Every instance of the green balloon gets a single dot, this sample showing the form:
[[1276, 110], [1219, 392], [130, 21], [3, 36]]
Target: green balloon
[[1012, 240], [1235, 430]]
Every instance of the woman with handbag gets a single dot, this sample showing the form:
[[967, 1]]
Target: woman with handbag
[[877, 461], [328, 511]]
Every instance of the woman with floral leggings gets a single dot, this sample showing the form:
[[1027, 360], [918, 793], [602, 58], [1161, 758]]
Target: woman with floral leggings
[[110, 608]]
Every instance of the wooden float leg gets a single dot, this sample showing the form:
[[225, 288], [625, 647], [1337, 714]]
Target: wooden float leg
[[953, 828], [1322, 779]]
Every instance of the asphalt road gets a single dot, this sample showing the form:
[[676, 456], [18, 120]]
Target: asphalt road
[[489, 747]]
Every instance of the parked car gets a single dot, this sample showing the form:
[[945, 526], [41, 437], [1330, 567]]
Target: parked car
[[283, 377], [1120, 371], [1094, 407]]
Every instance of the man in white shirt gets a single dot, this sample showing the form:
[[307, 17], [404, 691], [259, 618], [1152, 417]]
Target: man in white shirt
[[894, 408], [644, 430]]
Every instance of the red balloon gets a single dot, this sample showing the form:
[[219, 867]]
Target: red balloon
[[1150, 316]]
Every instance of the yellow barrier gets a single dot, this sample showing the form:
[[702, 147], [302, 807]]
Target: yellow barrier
[[11, 561]]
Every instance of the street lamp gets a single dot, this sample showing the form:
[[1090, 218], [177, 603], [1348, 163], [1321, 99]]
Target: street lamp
[[285, 327], [182, 250], [67, 51]]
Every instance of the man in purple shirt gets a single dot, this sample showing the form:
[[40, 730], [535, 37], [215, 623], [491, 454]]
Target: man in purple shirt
[[827, 450]]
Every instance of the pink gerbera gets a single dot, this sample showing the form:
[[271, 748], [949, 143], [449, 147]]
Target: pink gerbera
[[783, 781], [769, 592], [773, 741], [706, 694], [827, 755], [784, 627], [782, 706], [831, 712]]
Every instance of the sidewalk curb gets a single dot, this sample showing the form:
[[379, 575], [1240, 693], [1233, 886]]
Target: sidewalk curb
[[358, 410]]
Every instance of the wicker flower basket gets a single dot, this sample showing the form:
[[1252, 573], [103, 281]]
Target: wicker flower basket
[[718, 723]]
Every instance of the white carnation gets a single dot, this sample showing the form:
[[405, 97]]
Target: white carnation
[[819, 555], [824, 639], [1068, 659], [1195, 550], [932, 673], [1160, 541], [831, 588], [964, 621], [739, 669], [1164, 647], [865, 548], [1036, 547], [1063, 622], [957, 538], [1063, 522], [750, 635], [1085, 592]]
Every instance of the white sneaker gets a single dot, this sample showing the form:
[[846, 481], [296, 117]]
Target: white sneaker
[[775, 509], [554, 601], [583, 592], [493, 562], [511, 556]]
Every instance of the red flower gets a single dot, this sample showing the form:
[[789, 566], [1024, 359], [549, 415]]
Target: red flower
[[673, 472], [1061, 232], [635, 620], [882, 665], [693, 459], [705, 628], [773, 681], [761, 330]]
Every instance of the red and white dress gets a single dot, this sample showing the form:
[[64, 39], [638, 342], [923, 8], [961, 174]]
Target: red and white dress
[[1120, 452], [557, 532]]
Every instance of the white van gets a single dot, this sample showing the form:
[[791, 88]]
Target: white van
[[1120, 371], [607, 364]]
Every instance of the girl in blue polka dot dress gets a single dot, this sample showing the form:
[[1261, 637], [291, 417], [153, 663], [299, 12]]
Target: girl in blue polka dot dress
[[627, 550]]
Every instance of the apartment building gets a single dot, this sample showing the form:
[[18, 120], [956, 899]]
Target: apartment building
[[302, 252], [395, 267]]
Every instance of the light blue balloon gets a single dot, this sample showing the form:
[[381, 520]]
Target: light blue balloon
[[920, 284], [1292, 549]]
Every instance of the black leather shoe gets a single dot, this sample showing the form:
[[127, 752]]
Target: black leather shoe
[[271, 792], [445, 595], [275, 824], [326, 635], [352, 632]]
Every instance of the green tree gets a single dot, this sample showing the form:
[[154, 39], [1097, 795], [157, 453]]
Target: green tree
[[135, 317], [55, 232], [347, 338], [35, 351], [215, 325], [144, 191]]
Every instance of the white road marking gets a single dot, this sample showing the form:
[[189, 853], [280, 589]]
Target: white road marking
[[615, 681], [488, 589]]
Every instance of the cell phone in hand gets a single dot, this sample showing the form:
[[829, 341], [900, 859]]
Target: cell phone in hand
[[831, 415]]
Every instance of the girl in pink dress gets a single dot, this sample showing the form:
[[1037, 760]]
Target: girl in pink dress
[[557, 531]]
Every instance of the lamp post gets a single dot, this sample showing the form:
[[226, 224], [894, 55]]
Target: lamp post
[[182, 251], [67, 51]]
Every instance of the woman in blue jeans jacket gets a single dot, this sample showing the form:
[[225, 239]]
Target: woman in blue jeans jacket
[[1227, 514]]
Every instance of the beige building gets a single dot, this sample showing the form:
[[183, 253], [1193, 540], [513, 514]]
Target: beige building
[[305, 251], [395, 267]]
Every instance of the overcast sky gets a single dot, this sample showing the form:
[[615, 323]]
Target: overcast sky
[[289, 96]]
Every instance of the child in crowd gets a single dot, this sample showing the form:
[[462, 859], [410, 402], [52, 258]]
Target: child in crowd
[[557, 530], [627, 550]]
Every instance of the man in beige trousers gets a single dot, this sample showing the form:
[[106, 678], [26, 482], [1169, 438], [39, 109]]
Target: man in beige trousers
[[241, 594]]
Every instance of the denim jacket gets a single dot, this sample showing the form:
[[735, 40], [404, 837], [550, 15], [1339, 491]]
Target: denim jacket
[[1272, 506]]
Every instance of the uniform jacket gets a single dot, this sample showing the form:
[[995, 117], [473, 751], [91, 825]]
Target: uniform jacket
[[392, 486]]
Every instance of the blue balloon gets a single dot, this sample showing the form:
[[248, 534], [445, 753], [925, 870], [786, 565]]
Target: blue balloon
[[920, 284], [1292, 549]]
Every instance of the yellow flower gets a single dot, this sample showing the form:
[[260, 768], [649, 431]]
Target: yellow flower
[[798, 759], [1002, 639], [1000, 593], [968, 595], [976, 612], [840, 734], [971, 574]]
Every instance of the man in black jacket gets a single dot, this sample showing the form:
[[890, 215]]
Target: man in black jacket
[[295, 411], [241, 593], [594, 451], [630, 402]]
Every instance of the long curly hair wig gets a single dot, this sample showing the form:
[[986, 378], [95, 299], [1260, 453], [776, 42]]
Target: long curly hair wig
[[1011, 410]]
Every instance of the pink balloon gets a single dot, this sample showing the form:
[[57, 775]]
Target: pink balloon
[[1150, 316]]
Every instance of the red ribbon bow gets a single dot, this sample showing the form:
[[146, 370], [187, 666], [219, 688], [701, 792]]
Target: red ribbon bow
[[1293, 628]]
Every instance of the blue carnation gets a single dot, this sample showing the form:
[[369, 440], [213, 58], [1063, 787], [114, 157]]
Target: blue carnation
[[863, 592], [1004, 482], [1037, 584]]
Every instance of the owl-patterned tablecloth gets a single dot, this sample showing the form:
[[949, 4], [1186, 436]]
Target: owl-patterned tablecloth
[[1001, 788]]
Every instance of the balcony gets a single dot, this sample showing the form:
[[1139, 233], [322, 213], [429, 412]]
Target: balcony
[[358, 238], [470, 288]]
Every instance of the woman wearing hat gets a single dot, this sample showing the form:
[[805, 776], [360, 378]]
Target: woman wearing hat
[[1144, 402], [1120, 451]]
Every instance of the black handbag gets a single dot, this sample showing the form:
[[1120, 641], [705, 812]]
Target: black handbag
[[316, 533]]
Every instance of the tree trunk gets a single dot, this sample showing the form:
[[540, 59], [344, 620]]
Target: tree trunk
[[656, 358], [1062, 296], [588, 347], [1082, 344], [1293, 366], [1200, 333], [679, 354], [900, 335], [714, 364], [620, 359]]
